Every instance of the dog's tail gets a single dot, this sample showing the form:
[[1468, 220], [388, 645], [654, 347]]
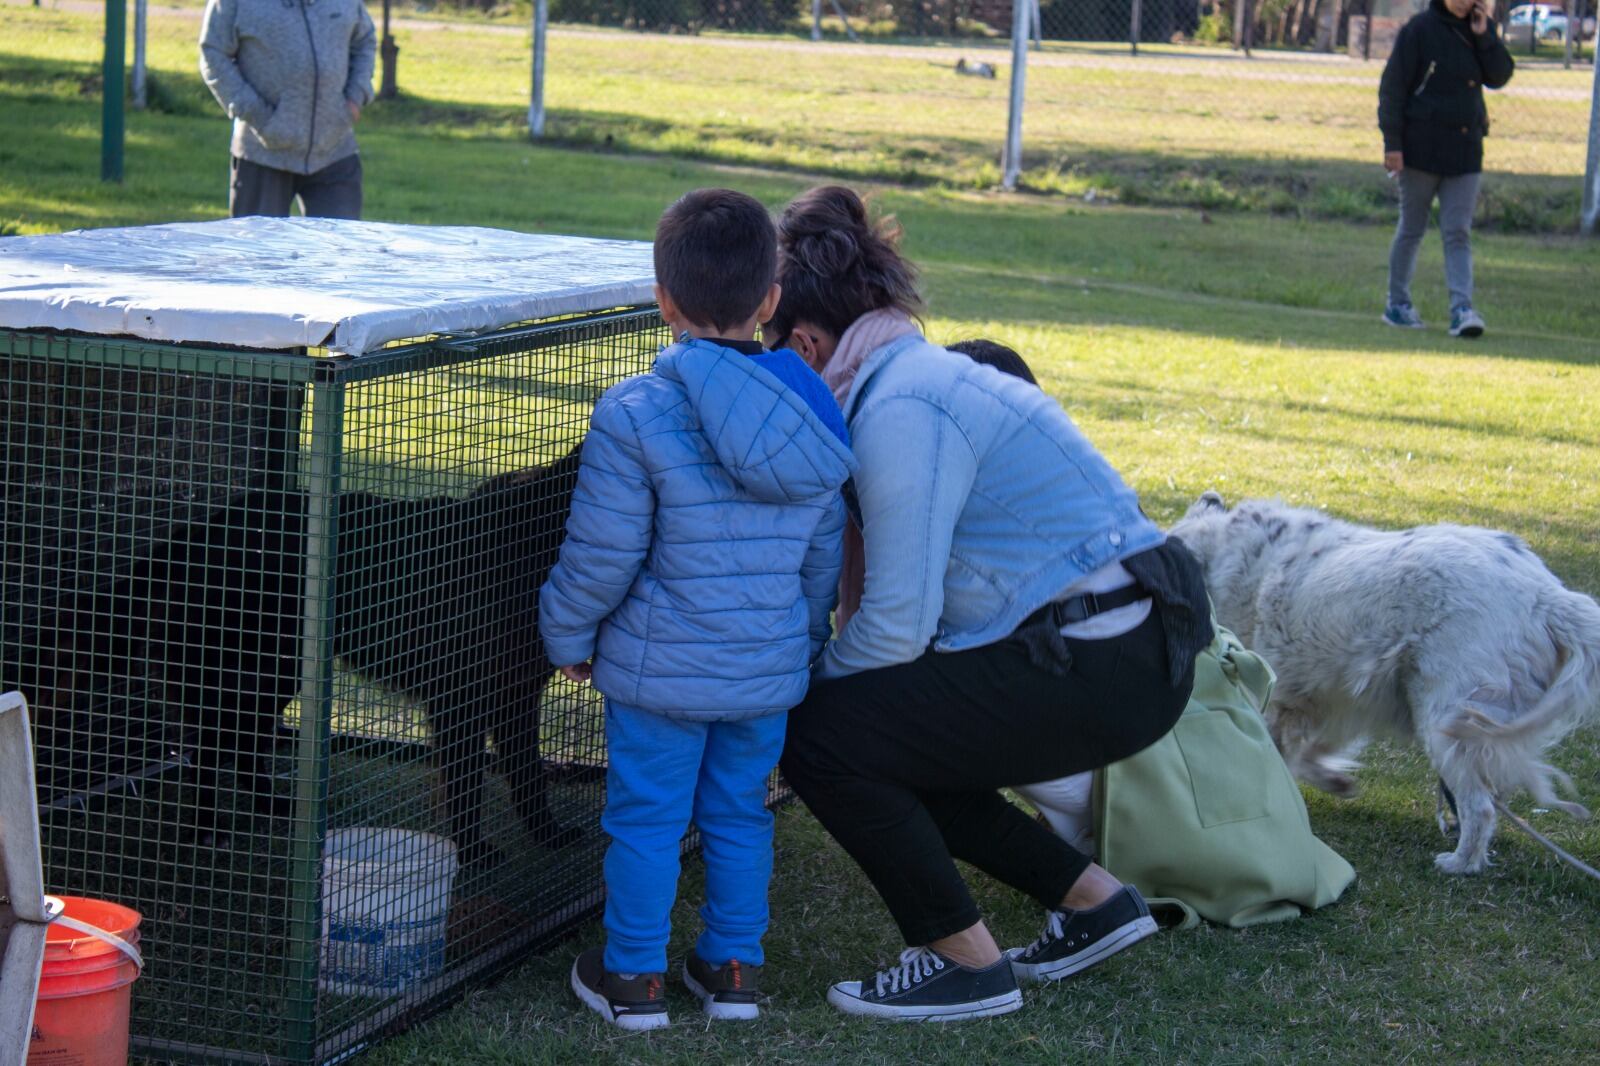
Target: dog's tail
[[1573, 622]]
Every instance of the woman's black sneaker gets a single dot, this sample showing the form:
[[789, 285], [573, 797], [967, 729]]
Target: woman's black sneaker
[[1073, 941], [627, 1001], [927, 987], [729, 991]]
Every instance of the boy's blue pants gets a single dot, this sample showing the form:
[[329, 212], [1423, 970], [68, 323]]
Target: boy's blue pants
[[665, 773]]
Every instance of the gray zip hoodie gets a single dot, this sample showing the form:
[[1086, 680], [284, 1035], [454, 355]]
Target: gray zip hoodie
[[284, 70]]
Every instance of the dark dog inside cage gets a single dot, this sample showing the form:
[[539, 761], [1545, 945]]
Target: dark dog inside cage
[[436, 598], [439, 598]]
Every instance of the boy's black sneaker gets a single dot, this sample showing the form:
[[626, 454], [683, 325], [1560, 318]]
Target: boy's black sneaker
[[1073, 941], [730, 991], [627, 1001], [927, 987]]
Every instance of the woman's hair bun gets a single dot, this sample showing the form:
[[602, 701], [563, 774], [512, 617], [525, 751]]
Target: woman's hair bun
[[838, 204], [836, 263], [828, 223], [825, 250]]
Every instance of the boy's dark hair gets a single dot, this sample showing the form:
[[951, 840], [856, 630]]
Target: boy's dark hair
[[836, 264], [716, 254], [991, 353]]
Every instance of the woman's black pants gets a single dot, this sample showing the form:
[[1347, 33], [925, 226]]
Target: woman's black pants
[[903, 765]]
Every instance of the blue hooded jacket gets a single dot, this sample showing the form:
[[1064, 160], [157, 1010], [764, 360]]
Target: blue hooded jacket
[[702, 554]]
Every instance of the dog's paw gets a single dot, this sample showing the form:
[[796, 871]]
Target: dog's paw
[[1451, 862], [1341, 785]]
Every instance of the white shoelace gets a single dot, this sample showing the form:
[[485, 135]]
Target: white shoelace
[[915, 964], [1053, 931]]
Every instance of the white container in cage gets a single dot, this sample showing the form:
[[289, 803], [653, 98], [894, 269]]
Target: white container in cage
[[385, 910]]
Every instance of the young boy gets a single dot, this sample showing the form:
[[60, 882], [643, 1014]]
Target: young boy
[[694, 587]]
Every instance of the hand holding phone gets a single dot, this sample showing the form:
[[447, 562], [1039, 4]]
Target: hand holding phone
[[1480, 17]]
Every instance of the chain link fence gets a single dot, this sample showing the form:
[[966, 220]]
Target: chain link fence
[[1251, 104], [1324, 25], [1282, 23]]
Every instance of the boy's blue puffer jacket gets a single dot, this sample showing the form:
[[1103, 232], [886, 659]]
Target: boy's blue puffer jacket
[[703, 550]]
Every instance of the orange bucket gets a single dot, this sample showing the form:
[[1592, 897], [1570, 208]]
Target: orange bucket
[[81, 1017]]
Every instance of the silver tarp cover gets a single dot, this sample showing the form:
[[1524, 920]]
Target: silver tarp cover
[[281, 283]]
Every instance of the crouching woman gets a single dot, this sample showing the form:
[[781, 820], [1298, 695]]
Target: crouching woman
[[1020, 620]]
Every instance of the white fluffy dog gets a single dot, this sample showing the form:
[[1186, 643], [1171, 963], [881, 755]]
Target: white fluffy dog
[[1456, 636]]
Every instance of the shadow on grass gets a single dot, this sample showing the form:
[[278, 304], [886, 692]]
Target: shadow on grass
[[567, 392], [1334, 189], [1235, 182], [1327, 188]]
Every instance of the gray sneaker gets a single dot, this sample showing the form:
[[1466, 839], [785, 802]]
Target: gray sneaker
[[628, 1001], [1465, 322], [729, 991], [1403, 316]]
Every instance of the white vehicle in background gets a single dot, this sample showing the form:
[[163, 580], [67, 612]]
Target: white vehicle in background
[[1547, 22]]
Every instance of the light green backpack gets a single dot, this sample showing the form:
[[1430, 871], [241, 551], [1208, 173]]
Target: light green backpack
[[1209, 820]]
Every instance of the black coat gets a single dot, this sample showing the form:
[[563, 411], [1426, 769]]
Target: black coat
[[1430, 101]]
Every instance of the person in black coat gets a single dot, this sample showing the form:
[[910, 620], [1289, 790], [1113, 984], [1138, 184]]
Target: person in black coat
[[1431, 112]]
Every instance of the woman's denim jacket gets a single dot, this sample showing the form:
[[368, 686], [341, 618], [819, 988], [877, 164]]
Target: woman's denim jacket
[[979, 502]]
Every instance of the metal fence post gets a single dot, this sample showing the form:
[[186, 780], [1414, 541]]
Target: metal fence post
[[111, 74], [1591, 182], [312, 747], [139, 95], [388, 86], [816, 20], [541, 29], [1038, 25], [1011, 162], [1571, 7], [1134, 15]]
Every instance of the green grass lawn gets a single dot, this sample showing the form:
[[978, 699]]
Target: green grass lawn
[[1234, 351], [1290, 134]]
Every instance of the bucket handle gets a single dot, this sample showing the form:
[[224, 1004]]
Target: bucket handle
[[99, 934]]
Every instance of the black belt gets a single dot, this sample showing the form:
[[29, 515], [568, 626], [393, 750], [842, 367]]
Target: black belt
[[1081, 608]]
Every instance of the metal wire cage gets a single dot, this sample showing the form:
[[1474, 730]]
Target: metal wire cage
[[276, 615]]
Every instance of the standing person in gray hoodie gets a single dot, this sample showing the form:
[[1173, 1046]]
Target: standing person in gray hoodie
[[293, 75]]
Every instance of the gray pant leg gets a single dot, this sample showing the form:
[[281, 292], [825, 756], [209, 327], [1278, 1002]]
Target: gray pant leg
[[1458, 195], [1416, 198], [334, 191], [257, 190]]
